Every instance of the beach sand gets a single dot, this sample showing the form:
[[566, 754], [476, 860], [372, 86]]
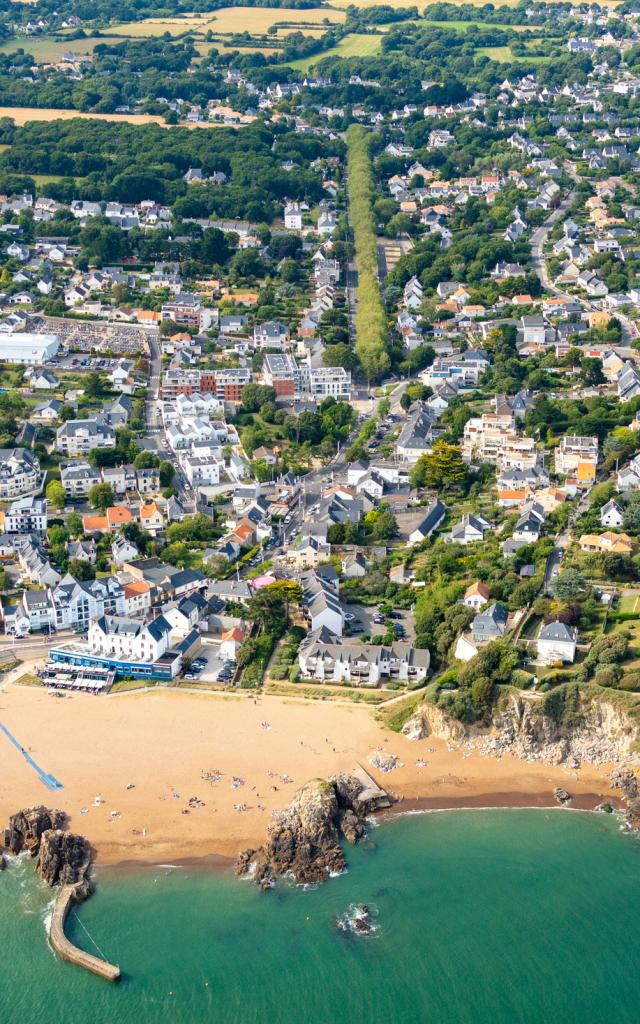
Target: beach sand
[[162, 741]]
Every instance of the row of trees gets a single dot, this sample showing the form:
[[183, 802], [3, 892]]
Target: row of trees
[[371, 321]]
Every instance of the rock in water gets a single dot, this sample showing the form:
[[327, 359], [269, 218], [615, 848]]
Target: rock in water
[[27, 827], [562, 795], [63, 858], [304, 839]]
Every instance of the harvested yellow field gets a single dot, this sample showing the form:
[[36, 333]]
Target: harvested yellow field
[[22, 115], [229, 19]]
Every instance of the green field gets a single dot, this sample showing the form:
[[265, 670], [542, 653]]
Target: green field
[[505, 55], [353, 45], [49, 51], [462, 26]]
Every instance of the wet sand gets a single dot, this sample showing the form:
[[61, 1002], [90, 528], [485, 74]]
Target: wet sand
[[161, 742]]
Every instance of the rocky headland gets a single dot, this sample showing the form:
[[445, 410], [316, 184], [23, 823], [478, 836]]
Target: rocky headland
[[304, 839]]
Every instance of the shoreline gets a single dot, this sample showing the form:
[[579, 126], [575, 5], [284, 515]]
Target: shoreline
[[584, 803], [172, 778]]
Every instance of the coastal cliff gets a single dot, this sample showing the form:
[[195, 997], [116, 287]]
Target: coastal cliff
[[596, 733], [304, 840]]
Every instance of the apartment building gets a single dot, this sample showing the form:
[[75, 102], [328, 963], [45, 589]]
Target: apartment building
[[577, 456], [19, 473], [26, 515], [329, 658], [79, 437], [493, 438]]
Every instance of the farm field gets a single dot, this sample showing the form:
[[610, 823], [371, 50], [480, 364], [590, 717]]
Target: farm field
[[229, 19], [21, 115], [49, 51], [353, 45]]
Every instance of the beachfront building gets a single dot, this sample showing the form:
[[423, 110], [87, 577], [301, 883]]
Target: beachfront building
[[556, 642], [129, 648], [330, 658]]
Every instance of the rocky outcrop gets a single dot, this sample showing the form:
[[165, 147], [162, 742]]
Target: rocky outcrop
[[627, 782], [65, 859], [429, 720], [26, 828], [563, 796], [62, 857], [304, 839]]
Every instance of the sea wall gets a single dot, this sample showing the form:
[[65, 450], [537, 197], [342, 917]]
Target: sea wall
[[65, 948]]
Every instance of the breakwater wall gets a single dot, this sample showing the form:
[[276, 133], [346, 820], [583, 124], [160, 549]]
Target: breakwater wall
[[66, 949]]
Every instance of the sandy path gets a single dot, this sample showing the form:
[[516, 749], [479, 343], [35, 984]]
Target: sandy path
[[162, 742]]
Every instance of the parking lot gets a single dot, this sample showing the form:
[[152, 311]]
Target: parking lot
[[209, 667], [363, 621]]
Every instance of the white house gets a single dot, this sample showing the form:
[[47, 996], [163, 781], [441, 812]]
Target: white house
[[556, 642], [611, 514], [476, 596]]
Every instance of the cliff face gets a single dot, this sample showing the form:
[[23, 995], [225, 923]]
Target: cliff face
[[600, 734], [304, 839]]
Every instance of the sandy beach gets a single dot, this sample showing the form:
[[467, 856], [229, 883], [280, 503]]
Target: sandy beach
[[240, 759]]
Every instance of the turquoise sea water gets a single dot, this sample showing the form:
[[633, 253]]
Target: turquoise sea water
[[485, 917]]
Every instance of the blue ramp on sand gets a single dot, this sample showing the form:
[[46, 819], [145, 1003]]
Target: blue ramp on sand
[[49, 780]]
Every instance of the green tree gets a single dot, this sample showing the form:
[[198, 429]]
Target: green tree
[[101, 496], [167, 473], [55, 494], [569, 585], [80, 569], [442, 467], [74, 524]]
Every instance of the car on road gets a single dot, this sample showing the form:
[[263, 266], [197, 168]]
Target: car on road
[[349, 617]]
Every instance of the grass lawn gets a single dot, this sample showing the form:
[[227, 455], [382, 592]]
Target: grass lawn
[[630, 603], [354, 45], [504, 55]]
